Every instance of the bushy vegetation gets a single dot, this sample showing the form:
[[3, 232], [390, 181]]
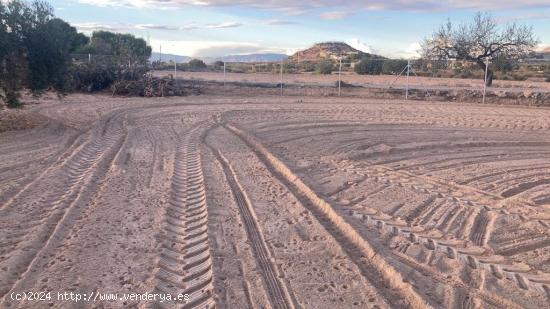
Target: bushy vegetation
[[393, 66], [36, 48], [366, 66], [90, 77], [113, 57], [125, 47], [196, 65], [324, 68]]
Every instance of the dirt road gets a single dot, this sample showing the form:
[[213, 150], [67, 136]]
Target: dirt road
[[276, 203]]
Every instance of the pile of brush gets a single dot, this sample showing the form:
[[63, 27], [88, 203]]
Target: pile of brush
[[151, 86]]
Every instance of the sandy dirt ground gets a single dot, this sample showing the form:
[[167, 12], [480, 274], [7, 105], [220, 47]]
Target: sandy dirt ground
[[270, 202], [369, 81]]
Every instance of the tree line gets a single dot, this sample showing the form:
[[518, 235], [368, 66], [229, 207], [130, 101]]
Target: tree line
[[36, 49]]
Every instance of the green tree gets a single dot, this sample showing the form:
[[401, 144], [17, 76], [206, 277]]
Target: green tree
[[35, 50], [125, 47], [48, 51], [366, 66], [196, 65], [324, 68], [18, 22], [393, 66]]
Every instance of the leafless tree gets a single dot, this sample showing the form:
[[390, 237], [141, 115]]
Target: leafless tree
[[483, 38]]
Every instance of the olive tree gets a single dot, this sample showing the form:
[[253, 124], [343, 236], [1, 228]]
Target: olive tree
[[480, 40]]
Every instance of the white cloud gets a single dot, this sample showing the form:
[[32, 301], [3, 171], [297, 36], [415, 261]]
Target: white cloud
[[412, 51], [211, 48], [94, 26], [224, 25], [333, 15], [292, 51], [292, 7], [155, 27], [357, 44], [278, 22]]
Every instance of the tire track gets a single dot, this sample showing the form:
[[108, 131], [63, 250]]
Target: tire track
[[63, 155], [185, 264], [82, 176], [279, 295], [385, 278], [524, 187], [471, 260], [420, 209], [458, 250], [483, 227]]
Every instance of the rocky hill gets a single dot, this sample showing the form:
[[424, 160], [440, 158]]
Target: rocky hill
[[328, 50]]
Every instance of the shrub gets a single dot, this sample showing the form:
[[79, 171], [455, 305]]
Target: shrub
[[307, 67], [465, 74], [369, 67], [502, 64], [196, 65], [324, 68], [393, 66], [216, 66], [91, 77], [12, 99]]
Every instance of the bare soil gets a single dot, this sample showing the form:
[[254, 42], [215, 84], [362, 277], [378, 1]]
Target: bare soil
[[277, 202], [380, 81]]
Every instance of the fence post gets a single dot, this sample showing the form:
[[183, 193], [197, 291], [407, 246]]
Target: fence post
[[485, 79], [407, 87], [175, 69], [340, 77], [282, 76], [89, 58], [224, 73]]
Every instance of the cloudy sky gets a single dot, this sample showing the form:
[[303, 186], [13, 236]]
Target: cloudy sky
[[222, 27]]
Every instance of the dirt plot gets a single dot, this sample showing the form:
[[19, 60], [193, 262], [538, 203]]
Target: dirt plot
[[378, 81], [278, 203]]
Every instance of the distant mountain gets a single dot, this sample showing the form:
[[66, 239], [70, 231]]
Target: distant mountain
[[329, 50], [155, 56], [267, 57]]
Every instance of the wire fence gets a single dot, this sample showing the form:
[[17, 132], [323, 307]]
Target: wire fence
[[420, 76], [338, 77]]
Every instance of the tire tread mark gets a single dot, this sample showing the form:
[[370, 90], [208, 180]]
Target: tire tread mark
[[397, 292], [185, 264], [276, 290]]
